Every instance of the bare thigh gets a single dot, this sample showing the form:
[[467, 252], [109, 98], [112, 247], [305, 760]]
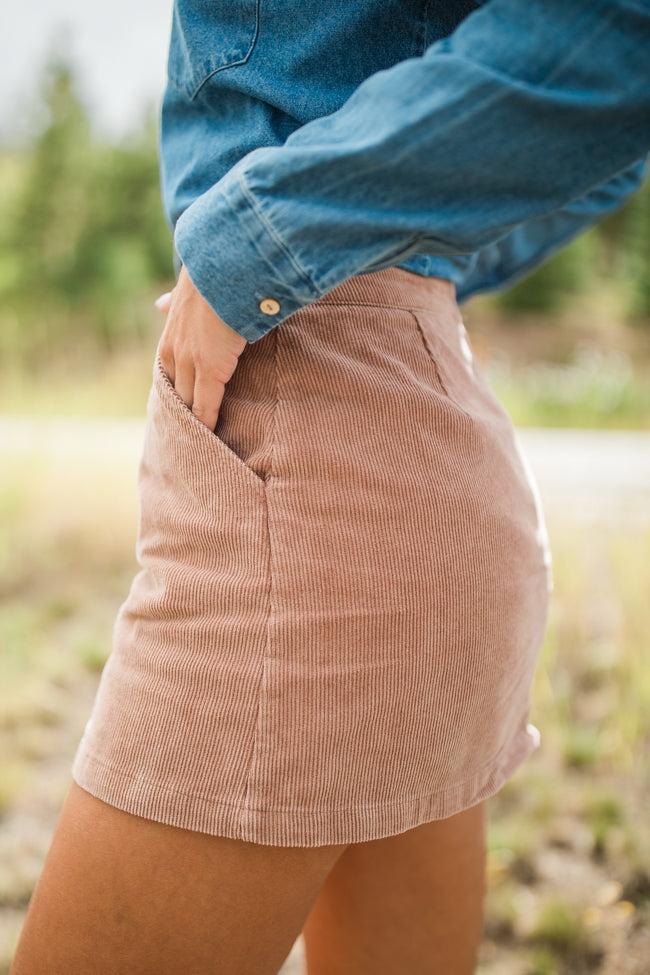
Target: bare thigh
[[119, 893], [408, 903]]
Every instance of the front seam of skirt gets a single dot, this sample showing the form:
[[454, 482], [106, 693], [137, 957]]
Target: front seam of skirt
[[262, 693]]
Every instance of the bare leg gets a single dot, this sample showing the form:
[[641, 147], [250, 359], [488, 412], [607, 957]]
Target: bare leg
[[408, 903], [122, 894]]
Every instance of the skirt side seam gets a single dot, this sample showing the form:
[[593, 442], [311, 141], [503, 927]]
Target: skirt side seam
[[269, 596]]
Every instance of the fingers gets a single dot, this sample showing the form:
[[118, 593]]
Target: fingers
[[198, 351], [166, 356], [208, 395], [184, 380], [201, 388]]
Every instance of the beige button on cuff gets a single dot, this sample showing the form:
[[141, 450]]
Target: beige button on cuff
[[269, 306]]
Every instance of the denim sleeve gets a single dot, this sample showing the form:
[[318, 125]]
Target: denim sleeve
[[513, 256], [524, 109]]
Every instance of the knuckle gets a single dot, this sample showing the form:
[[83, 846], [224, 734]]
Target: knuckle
[[201, 412], [218, 367], [209, 377], [184, 358], [166, 353]]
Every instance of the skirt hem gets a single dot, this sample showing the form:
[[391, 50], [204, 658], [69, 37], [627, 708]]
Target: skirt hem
[[302, 827]]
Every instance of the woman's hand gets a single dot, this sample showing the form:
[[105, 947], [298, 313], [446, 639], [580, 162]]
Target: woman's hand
[[199, 352]]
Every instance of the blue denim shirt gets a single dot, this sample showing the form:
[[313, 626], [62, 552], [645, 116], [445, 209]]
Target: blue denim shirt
[[303, 142]]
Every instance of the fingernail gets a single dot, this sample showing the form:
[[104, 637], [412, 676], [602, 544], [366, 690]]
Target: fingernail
[[162, 299]]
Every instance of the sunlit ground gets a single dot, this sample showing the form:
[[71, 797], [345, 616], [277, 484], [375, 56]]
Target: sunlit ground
[[569, 835]]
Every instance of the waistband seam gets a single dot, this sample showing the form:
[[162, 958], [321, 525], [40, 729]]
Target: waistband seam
[[369, 304], [390, 287]]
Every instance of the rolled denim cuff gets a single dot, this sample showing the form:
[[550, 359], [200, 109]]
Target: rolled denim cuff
[[237, 259]]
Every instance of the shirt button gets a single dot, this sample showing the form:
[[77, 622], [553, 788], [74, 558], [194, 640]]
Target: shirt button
[[269, 306]]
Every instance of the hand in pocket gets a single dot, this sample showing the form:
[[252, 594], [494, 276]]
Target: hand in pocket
[[199, 352]]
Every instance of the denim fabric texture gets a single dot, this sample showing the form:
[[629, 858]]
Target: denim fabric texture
[[302, 143]]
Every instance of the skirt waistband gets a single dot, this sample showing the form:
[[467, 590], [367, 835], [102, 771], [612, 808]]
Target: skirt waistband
[[392, 286]]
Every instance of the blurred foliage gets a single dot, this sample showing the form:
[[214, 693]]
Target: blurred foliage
[[637, 254], [83, 231], [617, 248], [554, 281], [596, 388]]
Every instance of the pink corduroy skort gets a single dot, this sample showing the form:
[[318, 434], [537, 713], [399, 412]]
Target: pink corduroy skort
[[343, 589]]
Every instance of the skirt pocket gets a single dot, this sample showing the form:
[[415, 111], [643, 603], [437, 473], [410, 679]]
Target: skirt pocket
[[210, 36], [207, 444], [448, 346]]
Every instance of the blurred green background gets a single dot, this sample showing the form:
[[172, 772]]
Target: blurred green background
[[84, 250]]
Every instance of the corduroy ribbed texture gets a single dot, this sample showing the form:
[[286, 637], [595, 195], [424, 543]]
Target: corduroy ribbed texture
[[343, 589]]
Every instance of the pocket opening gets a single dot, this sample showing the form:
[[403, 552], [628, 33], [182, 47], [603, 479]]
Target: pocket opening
[[174, 401], [445, 362]]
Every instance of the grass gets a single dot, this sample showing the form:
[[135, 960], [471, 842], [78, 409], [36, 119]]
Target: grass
[[560, 927], [579, 366], [594, 389], [110, 385]]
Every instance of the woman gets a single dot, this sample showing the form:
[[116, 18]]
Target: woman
[[322, 671]]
